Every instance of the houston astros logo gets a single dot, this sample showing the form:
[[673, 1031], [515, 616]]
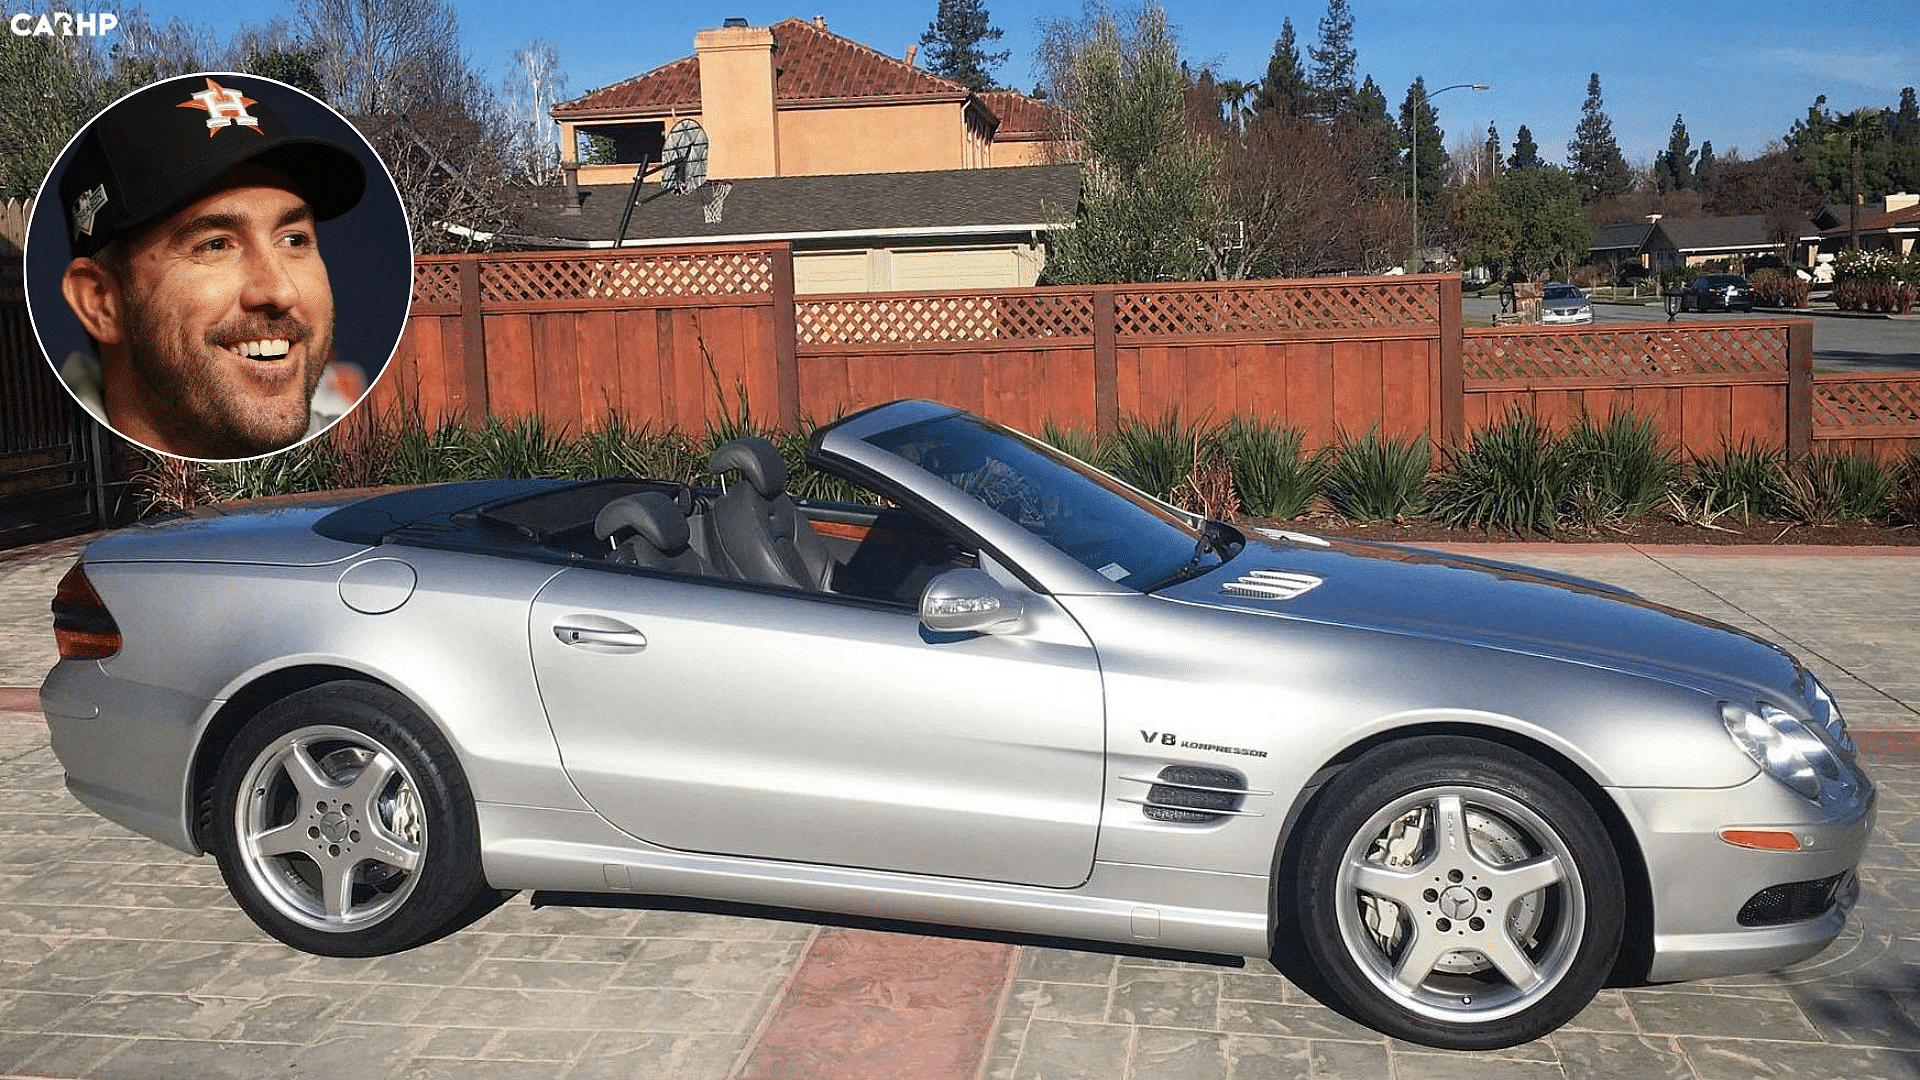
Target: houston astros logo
[[224, 108]]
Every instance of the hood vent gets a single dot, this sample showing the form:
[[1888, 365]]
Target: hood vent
[[1271, 584]]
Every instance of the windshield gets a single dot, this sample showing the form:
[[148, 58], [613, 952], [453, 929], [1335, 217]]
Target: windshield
[[1563, 292], [1105, 525]]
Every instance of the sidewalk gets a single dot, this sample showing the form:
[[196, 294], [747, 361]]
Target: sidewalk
[[124, 960]]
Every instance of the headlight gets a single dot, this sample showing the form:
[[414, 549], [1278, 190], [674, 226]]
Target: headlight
[[1826, 712], [1784, 746]]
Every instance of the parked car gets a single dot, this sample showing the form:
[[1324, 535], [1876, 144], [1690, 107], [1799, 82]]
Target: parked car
[[1017, 695], [1564, 305], [1717, 292]]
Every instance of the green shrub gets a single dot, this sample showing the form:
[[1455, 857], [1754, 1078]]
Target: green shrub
[[1781, 289], [803, 480], [1377, 478], [1515, 475], [617, 448], [1903, 503], [1271, 475], [1085, 445], [422, 456], [1623, 469], [303, 468], [1824, 488], [1157, 457], [1743, 480], [522, 446]]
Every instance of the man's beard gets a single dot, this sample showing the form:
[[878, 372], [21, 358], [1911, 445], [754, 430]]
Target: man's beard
[[211, 414]]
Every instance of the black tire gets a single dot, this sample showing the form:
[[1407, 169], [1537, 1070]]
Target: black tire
[[344, 826], [1490, 941]]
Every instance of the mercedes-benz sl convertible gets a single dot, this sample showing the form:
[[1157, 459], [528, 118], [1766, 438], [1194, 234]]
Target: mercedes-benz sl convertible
[[1015, 694]]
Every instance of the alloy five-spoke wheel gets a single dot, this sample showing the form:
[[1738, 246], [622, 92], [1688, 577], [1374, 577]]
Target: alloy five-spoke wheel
[[1457, 893], [343, 824], [330, 827]]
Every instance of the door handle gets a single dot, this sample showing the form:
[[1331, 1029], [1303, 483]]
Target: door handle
[[600, 635]]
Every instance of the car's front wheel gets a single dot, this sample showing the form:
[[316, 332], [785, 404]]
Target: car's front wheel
[[343, 824], [1457, 893]]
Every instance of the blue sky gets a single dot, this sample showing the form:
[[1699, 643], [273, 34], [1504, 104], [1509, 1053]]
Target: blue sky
[[1740, 73]]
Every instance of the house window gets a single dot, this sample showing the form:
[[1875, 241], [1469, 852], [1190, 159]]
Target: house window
[[630, 143]]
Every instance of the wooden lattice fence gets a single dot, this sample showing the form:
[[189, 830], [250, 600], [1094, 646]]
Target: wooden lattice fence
[[1878, 415], [675, 336], [665, 337], [1704, 386]]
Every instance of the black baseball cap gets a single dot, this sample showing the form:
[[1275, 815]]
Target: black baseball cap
[[152, 150]]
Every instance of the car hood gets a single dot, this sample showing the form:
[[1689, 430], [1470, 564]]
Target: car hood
[[1489, 604]]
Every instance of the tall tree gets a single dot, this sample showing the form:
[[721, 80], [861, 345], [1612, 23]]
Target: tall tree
[[1776, 185], [1485, 230], [393, 57], [1553, 229], [1673, 169], [1703, 169], [1420, 127], [1526, 152], [1377, 139], [1285, 87], [1149, 210], [276, 52], [954, 43], [1857, 129], [69, 82], [1334, 63], [534, 83], [1298, 194], [1492, 151], [1593, 157], [395, 68]]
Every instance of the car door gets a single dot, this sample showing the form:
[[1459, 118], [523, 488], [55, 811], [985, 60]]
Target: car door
[[778, 724]]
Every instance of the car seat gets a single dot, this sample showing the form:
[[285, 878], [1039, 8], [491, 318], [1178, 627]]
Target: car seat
[[759, 535]]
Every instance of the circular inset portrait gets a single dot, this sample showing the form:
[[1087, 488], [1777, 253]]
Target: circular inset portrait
[[218, 266]]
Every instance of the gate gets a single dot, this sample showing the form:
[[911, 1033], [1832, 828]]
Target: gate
[[52, 477]]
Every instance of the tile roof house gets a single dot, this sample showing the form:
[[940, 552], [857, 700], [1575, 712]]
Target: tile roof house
[[795, 99], [882, 176]]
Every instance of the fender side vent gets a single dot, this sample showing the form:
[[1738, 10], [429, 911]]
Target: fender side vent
[[1271, 584], [1191, 793]]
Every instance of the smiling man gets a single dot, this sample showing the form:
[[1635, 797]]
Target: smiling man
[[197, 270]]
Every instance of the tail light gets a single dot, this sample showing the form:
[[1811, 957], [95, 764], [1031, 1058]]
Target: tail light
[[82, 626]]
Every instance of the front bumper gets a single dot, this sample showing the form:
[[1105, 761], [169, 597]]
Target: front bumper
[[1566, 318], [1701, 884]]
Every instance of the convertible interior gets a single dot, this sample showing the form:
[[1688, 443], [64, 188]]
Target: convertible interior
[[750, 530]]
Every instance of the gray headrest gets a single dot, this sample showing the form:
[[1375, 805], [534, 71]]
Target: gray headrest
[[757, 460], [654, 516]]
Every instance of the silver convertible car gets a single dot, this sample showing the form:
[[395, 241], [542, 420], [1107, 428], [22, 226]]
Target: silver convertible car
[[1458, 797]]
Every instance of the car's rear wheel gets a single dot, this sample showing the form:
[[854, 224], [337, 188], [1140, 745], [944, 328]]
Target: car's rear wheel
[[1457, 893], [344, 825]]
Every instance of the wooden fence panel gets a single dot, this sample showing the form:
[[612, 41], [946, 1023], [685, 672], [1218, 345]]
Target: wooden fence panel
[[1875, 415], [1703, 386], [1024, 387]]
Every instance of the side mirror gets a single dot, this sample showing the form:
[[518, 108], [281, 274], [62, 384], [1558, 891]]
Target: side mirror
[[967, 601]]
